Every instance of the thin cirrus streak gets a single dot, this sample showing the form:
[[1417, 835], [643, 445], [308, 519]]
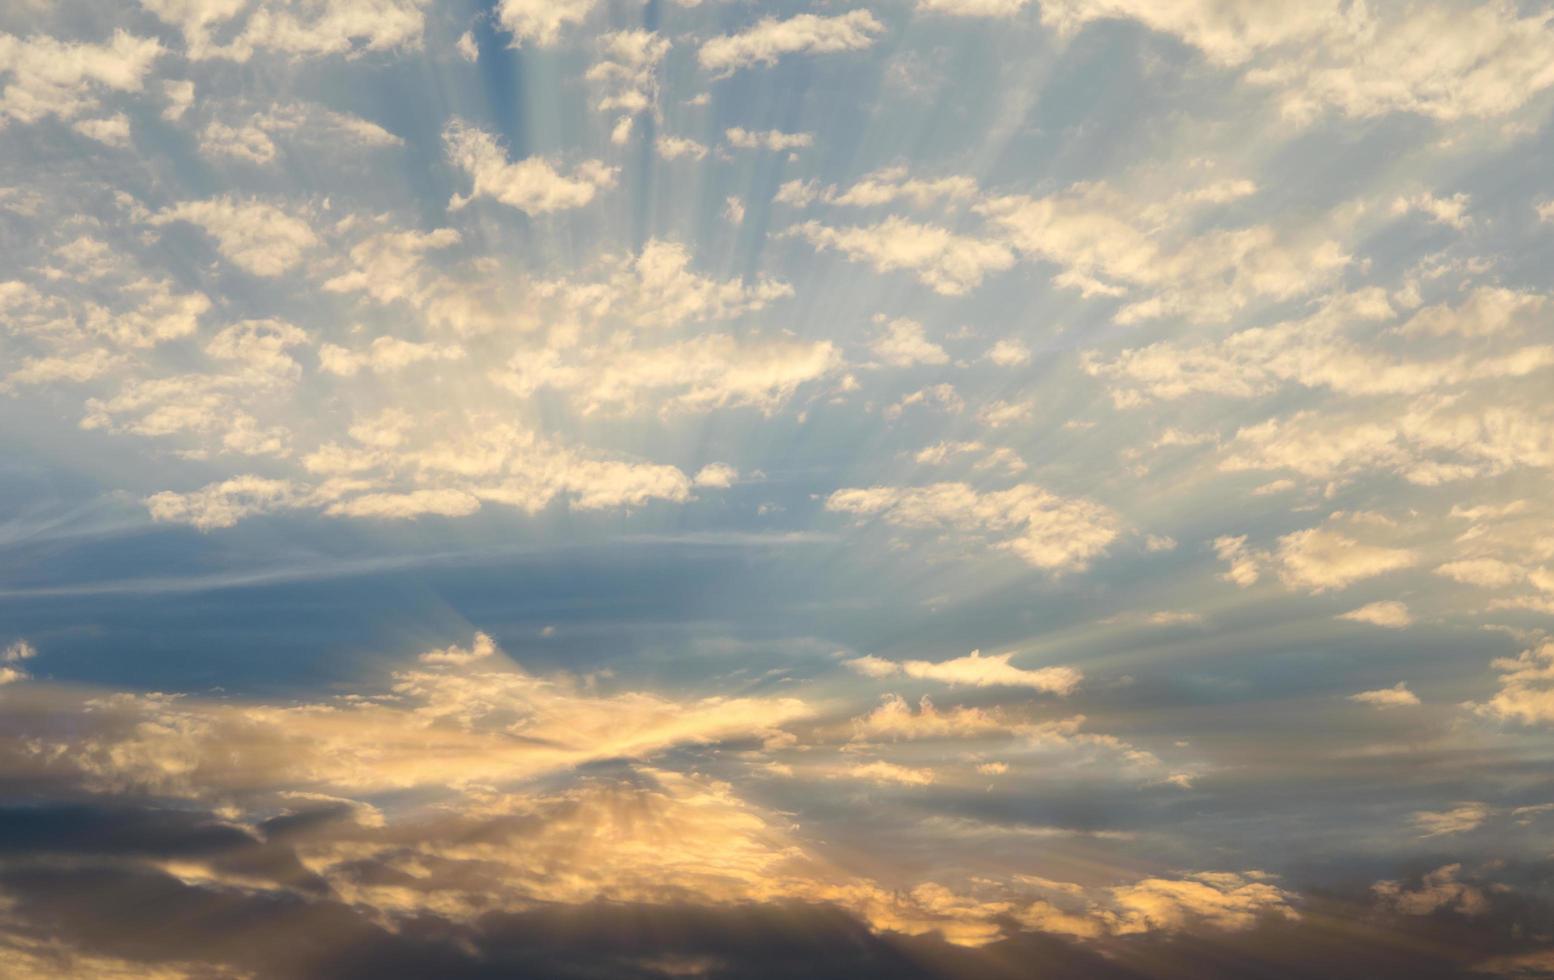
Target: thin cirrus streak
[[954, 488]]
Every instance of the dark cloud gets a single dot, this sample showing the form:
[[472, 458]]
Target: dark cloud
[[93, 878]]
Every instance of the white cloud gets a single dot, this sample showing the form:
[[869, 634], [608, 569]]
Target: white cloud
[[1489, 573], [998, 414], [675, 147], [1009, 353], [259, 345], [975, 670], [346, 27], [1323, 558], [1246, 564], [1447, 62], [387, 266], [709, 371], [47, 77], [467, 47], [246, 142], [1396, 696], [408, 505], [18, 652], [384, 355], [541, 21], [1390, 614], [1487, 311], [482, 648], [1526, 692], [222, 504], [1109, 244], [946, 262], [903, 344], [251, 140], [627, 73], [113, 130], [659, 288], [889, 772], [531, 185], [1059, 534], [256, 237], [715, 475], [1451, 211], [769, 39], [771, 139], [973, 8]]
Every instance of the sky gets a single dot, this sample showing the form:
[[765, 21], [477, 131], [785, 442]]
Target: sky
[[834, 488]]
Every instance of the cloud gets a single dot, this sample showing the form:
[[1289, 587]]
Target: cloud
[[531, 185], [1438, 890], [222, 504], [258, 238], [45, 77], [903, 344], [889, 772], [445, 502], [771, 139], [627, 71], [1526, 692], [708, 371], [345, 27], [1219, 900], [322, 129], [1107, 244], [455, 721], [1449, 211], [1488, 573], [387, 267], [975, 670], [1009, 353], [113, 130], [454, 656], [384, 356], [1314, 352], [1396, 696], [1246, 564], [1390, 614], [659, 287], [11, 657], [541, 21], [769, 39], [1323, 558], [947, 263], [1059, 534], [1461, 819], [675, 147], [716, 475], [1444, 62], [1487, 311], [259, 346]]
